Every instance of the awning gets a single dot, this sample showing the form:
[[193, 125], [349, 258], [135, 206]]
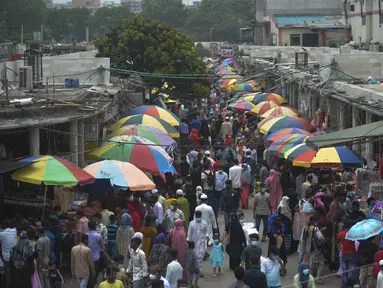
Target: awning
[[9, 165], [370, 130]]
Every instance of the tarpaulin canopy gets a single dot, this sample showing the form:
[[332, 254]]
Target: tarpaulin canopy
[[9, 165], [370, 130]]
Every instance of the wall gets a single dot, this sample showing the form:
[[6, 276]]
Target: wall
[[359, 66], [59, 67], [288, 52], [371, 30], [338, 36], [318, 7]]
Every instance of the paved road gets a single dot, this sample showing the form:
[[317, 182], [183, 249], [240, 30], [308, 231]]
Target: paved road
[[227, 277]]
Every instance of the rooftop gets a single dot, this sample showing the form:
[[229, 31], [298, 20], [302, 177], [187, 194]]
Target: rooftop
[[309, 21]]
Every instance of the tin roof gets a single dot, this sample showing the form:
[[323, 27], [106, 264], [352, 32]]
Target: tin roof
[[309, 21]]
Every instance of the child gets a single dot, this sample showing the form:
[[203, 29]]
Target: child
[[191, 264], [55, 277], [121, 275], [216, 256]]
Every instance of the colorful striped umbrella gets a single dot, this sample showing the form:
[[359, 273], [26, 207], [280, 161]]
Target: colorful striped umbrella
[[273, 124], [228, 61], [329, 157], [238, 96], [51, 170], [147, 121], [225, 72], [219, 68], [121, 174], [155, 135], [284, 144], [365, 229], [285, 132], [243, 87], [230, 76], [269, 97], [142, 153], [280, 111], [242, 105], [264, 106], [227, 82], [155, 111]]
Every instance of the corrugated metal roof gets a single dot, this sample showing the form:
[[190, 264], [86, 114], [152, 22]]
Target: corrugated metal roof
[[310, 21]]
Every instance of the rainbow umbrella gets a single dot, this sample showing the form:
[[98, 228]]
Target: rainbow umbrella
[[285, 132], [273, 124], [155, 135], [155, 111], [242, 105], [120, 174], [280, 111], [227, 82], [147, 121], [231, 76], [269, 97], [219, 68], [243, 87], [51, 170], [284, 144], [228, 61], [263, 107], [329, 157], [225, 72], [238, 96], [138, 151]]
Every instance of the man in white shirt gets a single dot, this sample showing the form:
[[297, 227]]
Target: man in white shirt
[[235, 174], [157, 208], [208, 215], [137, 267], [7, 241], [174, 269]]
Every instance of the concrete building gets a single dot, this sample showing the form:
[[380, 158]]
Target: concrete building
[[266, 9], [365, 18], [308, 31], [134, 5], [90, 4]]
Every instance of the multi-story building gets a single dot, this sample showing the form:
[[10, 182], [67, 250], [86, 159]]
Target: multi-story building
[[366, 19], [134, 5], [300, 23], [90, 4]]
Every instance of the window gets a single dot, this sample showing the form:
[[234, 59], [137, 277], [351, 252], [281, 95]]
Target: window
[[295, 40], [363, 20], [352, 7]]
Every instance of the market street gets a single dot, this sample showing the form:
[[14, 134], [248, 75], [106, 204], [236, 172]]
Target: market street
[[227, 277]]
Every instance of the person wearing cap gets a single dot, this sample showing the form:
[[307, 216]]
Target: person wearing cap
[[158, 208], [208, 156], [198, 233], [199, 192], [226, 128], [208, 216], [137, 267], [21, 259], [183, 204], [379, 282]]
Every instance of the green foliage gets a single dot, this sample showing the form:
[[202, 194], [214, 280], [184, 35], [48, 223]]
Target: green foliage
[[150, 46], [202, 51], [172, 12]]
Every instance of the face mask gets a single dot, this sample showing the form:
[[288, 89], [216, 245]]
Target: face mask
[[121, 266], [306, 272], [275, 257], [254, 243], [199, 192], [198, 219], [130, 199], [171, 207], [216, 241], [356, 286]]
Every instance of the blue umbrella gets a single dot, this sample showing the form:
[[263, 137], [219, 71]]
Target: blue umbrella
[[365, 229]]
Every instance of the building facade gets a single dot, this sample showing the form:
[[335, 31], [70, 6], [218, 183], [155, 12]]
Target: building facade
[[90, 4], [365, 18], [134, 5], [264, 28]]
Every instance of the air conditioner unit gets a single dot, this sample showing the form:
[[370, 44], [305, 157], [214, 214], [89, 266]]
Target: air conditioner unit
[[25, 78]]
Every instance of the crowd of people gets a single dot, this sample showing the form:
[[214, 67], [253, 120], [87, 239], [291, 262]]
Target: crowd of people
[[160, 238]]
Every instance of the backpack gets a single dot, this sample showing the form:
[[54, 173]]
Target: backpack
[[209, 178]]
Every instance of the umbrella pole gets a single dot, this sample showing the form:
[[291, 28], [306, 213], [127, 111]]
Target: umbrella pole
[[45, 200]]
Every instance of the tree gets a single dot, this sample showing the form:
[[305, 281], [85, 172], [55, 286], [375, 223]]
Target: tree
[[106, 18], [172, 12], [150, 46]]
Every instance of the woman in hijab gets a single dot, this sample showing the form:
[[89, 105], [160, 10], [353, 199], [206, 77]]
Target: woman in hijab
[[159, 249], [303, 279], [22, 266], [149, 232], [194, 137], [124, 236], [236, 241], [275, 190], [177, 240]]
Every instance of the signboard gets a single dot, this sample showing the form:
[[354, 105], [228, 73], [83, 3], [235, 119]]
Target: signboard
[[37, 35], [227, 52]]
